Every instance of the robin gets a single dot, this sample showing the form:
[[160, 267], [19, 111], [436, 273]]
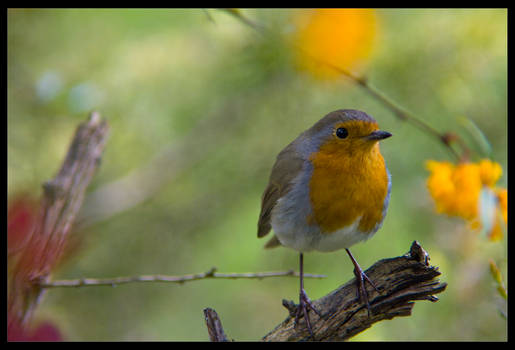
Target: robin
[[329, 189]]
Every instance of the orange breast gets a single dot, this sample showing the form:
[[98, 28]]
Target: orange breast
[[347, 186]]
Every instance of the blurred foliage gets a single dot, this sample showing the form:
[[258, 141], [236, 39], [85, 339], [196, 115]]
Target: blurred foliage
[[165, 78]]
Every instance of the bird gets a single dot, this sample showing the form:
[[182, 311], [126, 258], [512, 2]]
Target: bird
[[328, 190]]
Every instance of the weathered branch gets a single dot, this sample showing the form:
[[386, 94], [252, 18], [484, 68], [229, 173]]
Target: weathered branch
[[214, 326], [401, 281], [62, 199]]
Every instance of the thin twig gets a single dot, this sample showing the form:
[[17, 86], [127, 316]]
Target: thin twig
[[88, 282], [256, 26], [397, 110]]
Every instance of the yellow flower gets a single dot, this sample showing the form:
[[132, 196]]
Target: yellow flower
[[502, 197], [490, 172], [439, 183], [501, 214], [339, 37], [496, 233], [457, 191], [467, 187]]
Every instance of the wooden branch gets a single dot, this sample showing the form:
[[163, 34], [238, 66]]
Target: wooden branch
[[214, 326], [62, 199], [401, 281], [88, 282]]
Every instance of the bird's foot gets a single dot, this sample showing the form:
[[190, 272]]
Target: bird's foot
[[361, 277], [302, 310]]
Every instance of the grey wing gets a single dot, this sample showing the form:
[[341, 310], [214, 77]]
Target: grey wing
[[268, 200], [288, 164]]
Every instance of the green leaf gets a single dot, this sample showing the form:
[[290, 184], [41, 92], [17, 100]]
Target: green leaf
[[477, 136]]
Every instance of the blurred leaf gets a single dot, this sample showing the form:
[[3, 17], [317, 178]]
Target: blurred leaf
[[497, 275], [480, 140]]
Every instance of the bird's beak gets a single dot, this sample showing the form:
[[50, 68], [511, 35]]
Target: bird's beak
[[378, 135]]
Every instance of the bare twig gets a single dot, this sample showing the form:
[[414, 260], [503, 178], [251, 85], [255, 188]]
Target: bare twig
[[400, 280], [397, 110], [89, 282]]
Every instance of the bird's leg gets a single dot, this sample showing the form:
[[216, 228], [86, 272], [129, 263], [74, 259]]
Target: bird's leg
[[360, 278], [304, 302]]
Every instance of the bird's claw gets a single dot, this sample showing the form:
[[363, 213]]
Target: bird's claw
[[361, 277], [304, 306]]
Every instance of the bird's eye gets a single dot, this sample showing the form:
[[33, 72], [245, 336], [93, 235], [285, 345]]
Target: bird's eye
[[342, 133]]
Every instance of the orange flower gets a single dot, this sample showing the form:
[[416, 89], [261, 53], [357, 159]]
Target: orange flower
[[339, 37], [440, 185], [467, 190], [490, 172], [501, 214], [502, 197], [468, 185]]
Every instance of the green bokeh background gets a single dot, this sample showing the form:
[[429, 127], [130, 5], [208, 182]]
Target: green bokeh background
[[223, 100]]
